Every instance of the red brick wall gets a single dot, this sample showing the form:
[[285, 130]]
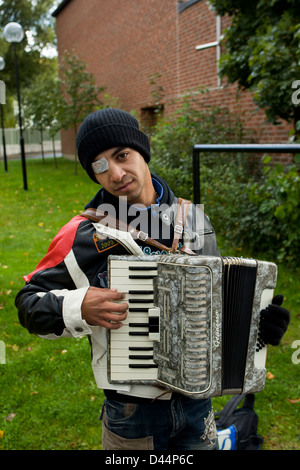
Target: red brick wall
[[123, 42], [197, 25]]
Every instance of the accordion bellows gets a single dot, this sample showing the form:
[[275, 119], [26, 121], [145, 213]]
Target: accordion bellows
[[193, 323]]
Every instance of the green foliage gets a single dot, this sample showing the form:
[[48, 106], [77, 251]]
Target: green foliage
[[41, 101], [257, 213], [263, 52], [48, 397], [277, 199], [172, 140], [38, 25], [252, 208], [80, 95]]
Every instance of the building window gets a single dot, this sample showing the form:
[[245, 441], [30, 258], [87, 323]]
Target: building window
[[150, 115], [215, 44]]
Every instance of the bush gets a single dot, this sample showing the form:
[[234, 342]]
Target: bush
[[258, 213], [276, 198], [252, 209], [172, 141]]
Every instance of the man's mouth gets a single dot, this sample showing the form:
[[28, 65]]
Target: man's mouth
[[124, 187]]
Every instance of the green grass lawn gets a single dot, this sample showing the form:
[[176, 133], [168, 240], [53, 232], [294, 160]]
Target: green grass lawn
[[48, 398]]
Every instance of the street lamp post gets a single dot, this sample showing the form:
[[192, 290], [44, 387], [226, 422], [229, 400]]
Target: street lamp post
[[13, 33], [2, 66]]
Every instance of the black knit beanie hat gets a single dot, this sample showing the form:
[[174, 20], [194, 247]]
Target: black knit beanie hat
[[105, 129]]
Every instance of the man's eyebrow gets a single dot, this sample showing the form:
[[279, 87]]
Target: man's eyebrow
[[119, 149]]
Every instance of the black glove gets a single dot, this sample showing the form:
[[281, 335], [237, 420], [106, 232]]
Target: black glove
[[274, 321]]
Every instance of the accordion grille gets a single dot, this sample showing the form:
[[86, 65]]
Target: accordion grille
[[183, 353]]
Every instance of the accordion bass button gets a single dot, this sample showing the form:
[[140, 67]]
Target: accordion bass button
[[153, 314]]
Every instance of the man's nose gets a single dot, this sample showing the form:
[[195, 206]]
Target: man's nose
[[117, 173]]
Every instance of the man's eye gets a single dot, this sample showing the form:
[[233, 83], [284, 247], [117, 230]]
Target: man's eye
[[122, 156]]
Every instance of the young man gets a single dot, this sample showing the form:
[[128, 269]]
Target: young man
[[67, 294]]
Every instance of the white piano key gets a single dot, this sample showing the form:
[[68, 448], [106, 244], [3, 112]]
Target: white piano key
[[128, 340], [131, 374], [124, 360], [126, 329], [120, 263], [121, 340], [137, 347], [132, 276], [125, 286]]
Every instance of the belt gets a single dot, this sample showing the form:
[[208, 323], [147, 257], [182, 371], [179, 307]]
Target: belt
[[113, 395]]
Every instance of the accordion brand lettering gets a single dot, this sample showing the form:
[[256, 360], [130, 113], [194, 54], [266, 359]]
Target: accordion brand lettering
[[217, 331]]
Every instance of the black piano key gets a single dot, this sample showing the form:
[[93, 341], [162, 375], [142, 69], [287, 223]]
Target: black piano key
[[143, 366], [141, 276], [140, 348], [142, 268], [153, 329], [137, 333], [138, 309], [153, 324], [141, 292], [140, 356], [140, 301]]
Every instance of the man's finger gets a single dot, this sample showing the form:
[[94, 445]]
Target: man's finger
[[110, 325]]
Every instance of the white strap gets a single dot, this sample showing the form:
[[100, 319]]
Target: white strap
[[124, 238]]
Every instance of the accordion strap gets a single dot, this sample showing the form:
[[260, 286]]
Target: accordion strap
[[182, 211], [96, 215]]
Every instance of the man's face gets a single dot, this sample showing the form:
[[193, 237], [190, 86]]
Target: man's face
[[124, 172]]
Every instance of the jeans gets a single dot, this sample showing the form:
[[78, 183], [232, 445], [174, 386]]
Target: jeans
[[181, 423]]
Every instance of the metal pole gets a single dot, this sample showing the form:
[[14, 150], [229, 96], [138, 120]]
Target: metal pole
[[3, 139], [248, 148], [196, 176], [256, 148], [20, 122]]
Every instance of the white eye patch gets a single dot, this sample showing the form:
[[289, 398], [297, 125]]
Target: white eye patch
[[99, 166]]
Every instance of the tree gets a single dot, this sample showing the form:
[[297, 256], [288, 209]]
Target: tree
[[38, 25], [41, 103], [35, 18], [80, 95], [263, 53]]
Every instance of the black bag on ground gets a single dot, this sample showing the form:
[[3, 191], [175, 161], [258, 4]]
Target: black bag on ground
[[237, 427]]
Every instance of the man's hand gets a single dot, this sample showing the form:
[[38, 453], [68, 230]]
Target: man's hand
[[99, 308], [274, 321]]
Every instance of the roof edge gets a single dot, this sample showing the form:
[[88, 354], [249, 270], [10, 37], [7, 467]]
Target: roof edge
[[184, 5]]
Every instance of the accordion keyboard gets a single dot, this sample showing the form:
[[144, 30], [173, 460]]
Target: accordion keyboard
[[131, 346], [167, 333]]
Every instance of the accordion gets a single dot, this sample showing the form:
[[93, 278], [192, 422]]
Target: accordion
[[192, 324]]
